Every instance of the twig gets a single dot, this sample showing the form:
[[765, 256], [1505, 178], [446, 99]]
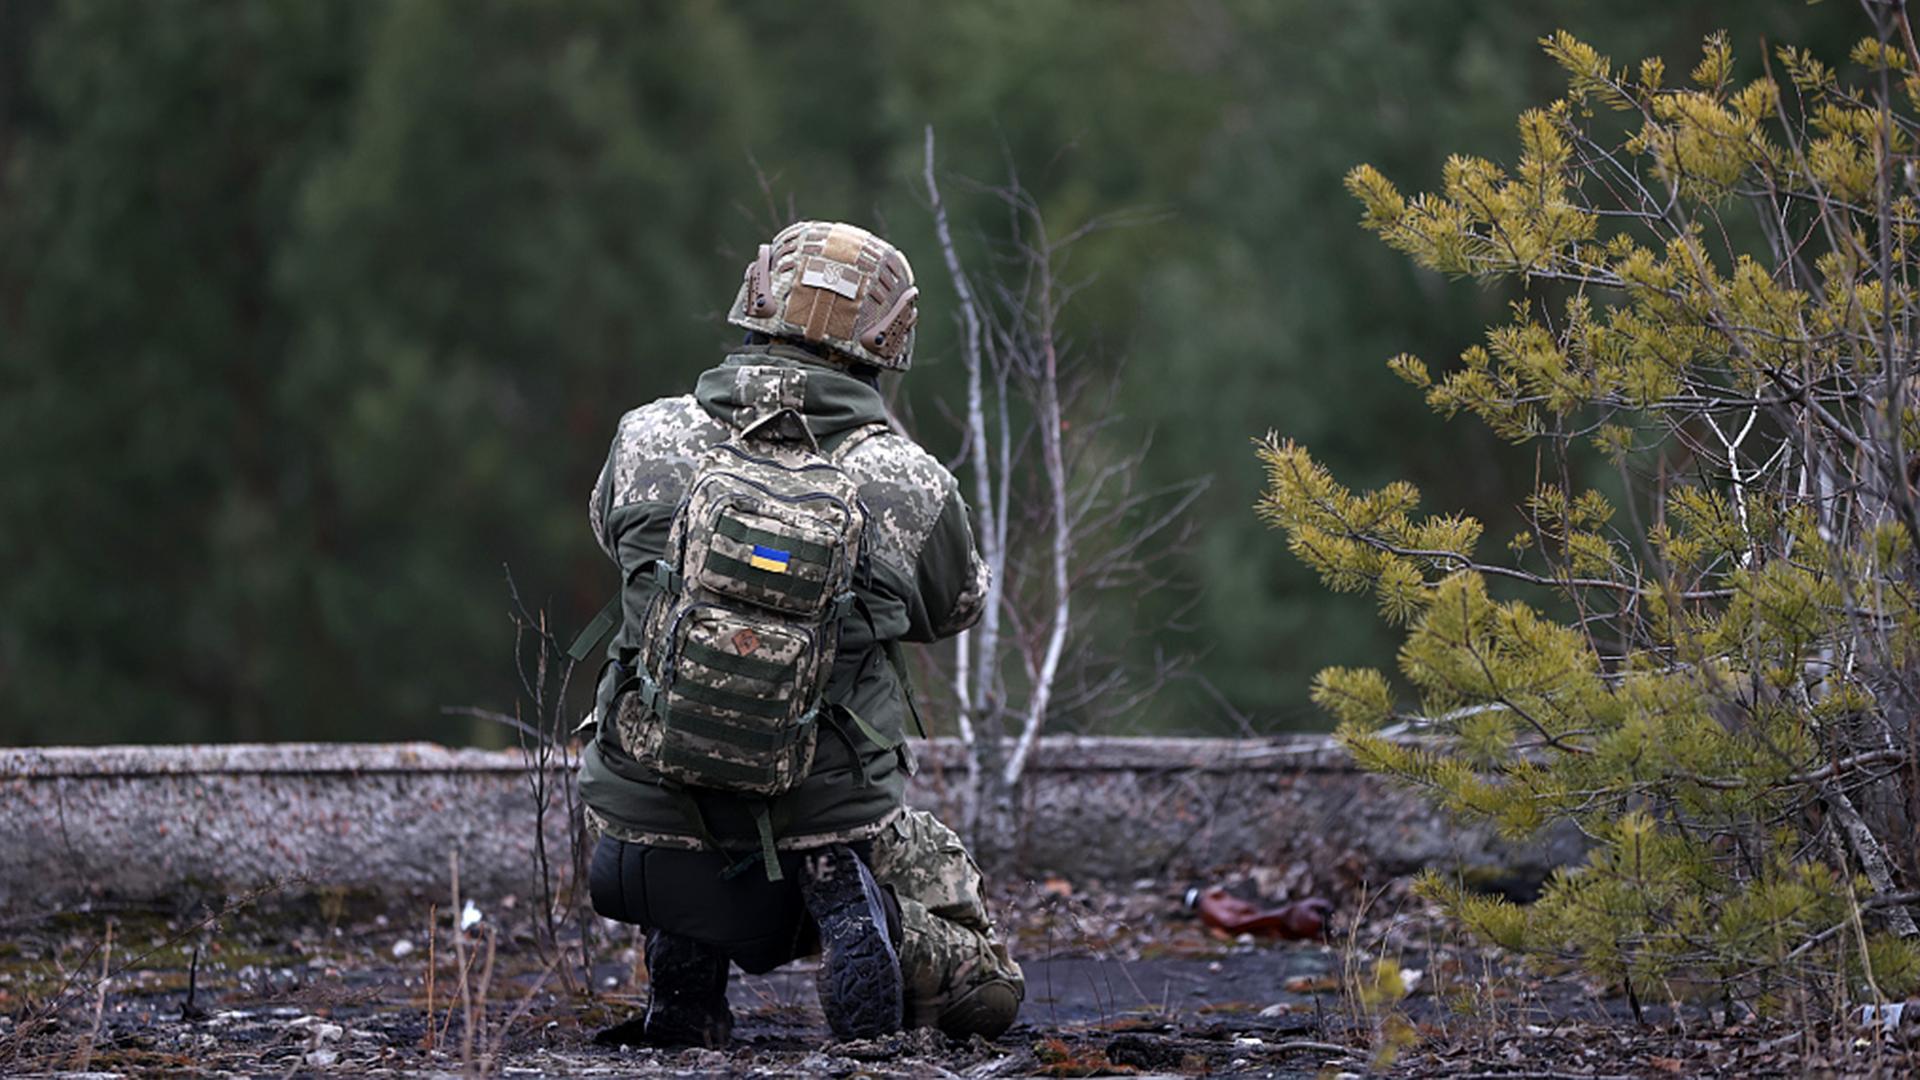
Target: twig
[[38, 1018], [1291, 1045], [99, 1002], [189, 1011], [433, 933], [494, 716], [991, 537]]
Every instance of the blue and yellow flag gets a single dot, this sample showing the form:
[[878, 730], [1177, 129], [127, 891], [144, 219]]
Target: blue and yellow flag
[[772, 560]]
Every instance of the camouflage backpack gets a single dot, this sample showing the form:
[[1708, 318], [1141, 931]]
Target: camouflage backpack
[[739, 639]]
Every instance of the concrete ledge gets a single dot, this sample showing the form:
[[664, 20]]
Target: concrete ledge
[[251, 759], [137, 822]]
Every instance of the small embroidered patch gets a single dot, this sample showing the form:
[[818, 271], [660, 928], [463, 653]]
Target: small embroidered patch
[[746, 642], [772, 560], [831, 276]]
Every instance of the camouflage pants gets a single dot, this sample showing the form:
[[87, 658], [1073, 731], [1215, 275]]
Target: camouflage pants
[[958, 976]]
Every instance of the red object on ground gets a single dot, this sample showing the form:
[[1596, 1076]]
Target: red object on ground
[[1301, 920]]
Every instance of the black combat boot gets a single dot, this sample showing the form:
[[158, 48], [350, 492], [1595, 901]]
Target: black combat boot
[[859, 978], [686, 997]]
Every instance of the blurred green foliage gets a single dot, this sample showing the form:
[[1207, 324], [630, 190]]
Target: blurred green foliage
[[312, 316]]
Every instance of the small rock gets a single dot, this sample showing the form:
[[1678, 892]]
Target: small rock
[[819, 1064], [1886, 1017], [402, 948], [322, 1031], [917, 1042], [1139, 1051], [1899, 1020]]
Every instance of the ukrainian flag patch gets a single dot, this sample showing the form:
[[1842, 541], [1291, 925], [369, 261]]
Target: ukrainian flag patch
[[772, 560]]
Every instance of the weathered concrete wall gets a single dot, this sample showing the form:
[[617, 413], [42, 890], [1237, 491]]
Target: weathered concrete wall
[[150, 821], [143, 821], [1122, 808]]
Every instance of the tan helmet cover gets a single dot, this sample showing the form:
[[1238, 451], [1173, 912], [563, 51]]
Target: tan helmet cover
[[835, 284]]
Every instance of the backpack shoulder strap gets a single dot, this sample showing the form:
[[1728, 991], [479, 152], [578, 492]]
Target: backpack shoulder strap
[[595, 630], [899, 662]]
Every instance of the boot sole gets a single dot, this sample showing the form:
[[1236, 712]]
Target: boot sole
[[859, 978]]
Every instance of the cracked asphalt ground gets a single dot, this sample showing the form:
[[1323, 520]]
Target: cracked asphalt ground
[[338, 984], [1120, 980]]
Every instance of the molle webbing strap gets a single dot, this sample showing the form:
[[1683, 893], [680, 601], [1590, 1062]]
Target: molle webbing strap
[[665, 577], [650, 695], [853, 748], [769, 855], [733, 664], [799, 588], [720, 730], [762, 823], [841, 607], [595, 630], [867, 731], [872, 733], [745, 704], [763, 820], [735, 529], [609, 617], [701, 763], [690, 809]]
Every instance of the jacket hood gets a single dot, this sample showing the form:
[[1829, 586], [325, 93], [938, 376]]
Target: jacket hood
[[762, 385]]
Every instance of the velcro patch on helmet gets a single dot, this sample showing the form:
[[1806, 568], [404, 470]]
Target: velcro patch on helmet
[[831, 276]]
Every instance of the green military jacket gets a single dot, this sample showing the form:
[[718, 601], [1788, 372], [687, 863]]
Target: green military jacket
[[927, 582]]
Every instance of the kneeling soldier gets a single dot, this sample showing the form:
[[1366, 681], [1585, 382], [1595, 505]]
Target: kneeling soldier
[[776, 541]]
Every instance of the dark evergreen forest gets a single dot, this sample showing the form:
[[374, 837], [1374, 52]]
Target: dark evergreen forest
[[315, 315]]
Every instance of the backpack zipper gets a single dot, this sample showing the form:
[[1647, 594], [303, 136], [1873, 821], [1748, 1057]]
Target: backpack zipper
[[772, 494], [736, 451]]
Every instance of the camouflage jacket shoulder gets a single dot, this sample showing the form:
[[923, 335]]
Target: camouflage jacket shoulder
[[904, 490], [654, 453]]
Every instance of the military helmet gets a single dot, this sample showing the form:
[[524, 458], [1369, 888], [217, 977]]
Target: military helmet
[[834, 284]]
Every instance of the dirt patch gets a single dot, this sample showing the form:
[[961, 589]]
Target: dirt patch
[[1120, 980]]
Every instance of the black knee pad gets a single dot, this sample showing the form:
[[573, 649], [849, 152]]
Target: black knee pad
[[615, 882], [759, 923]]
